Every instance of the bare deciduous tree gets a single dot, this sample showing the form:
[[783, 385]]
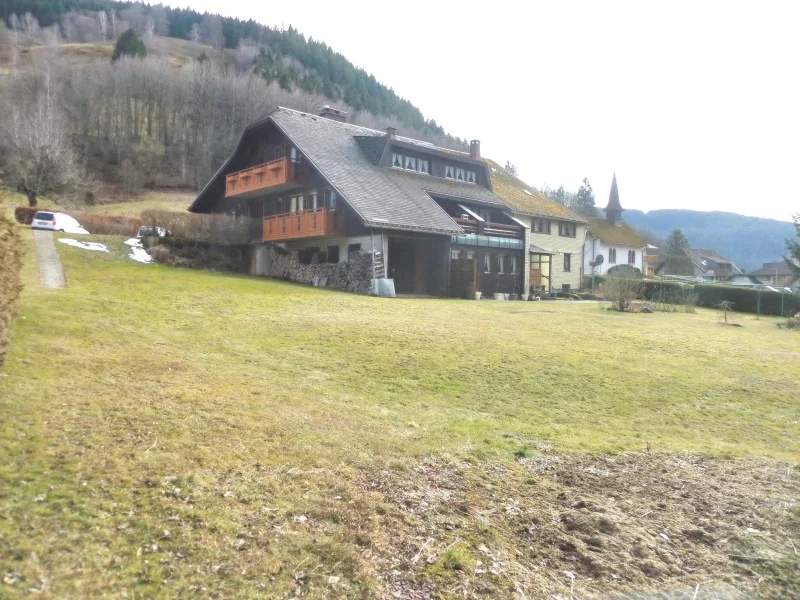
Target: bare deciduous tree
[[36, 140]]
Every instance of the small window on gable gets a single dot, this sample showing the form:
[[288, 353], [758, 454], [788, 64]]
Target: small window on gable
[[631, 257], [422, 166], [397, 160], [411, 163], [449, 172], [612, 256]]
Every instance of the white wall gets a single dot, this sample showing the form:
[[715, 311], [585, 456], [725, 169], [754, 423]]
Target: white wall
[[593, 247]]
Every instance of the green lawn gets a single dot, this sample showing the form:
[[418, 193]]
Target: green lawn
[[235, 412]]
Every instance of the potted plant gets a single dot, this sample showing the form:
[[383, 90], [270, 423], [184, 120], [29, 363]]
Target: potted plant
[[498, 295], [477, 295]]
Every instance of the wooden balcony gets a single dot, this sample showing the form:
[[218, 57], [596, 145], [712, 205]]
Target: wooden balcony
[[248, 182], [488, 228], [316, 222]]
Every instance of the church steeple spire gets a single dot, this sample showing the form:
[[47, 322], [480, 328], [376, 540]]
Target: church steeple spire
[[614, 208]]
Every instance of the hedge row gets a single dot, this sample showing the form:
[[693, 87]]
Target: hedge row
[[96, 224], [746, 299], [664, 290], [10, 286]]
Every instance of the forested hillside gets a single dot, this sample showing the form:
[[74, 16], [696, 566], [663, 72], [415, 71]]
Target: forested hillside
[[747, 241], [169, 118]]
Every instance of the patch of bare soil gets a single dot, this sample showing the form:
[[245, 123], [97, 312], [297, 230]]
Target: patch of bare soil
[[574, 526]]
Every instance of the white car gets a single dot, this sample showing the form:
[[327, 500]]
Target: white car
[[55, 221]]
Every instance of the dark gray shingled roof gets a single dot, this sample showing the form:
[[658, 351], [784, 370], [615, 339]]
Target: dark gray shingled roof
[[383, 197]]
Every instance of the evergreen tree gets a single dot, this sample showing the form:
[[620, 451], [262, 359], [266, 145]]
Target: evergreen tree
[[129, 44], [584, 199], [793, 246], [675, 243]]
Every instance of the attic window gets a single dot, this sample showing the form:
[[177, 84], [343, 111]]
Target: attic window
[[459, 174], [528, 192], [410, 163]]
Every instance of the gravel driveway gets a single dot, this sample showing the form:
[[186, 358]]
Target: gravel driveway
[[51, 271]]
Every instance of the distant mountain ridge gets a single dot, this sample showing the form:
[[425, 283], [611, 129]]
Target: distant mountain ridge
[[748, 241]]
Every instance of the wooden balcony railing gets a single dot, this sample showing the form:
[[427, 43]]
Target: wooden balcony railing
[[316, 222], [488, 228], [257, 178]]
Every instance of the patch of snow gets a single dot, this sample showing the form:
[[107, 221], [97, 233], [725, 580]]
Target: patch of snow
[[527, 192], [139, 254], [97, 247], [134, 242]]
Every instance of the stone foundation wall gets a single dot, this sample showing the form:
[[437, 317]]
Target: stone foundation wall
[[355, 275]]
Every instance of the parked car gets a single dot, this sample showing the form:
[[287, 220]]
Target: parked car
[[56, 221], [147, 230]]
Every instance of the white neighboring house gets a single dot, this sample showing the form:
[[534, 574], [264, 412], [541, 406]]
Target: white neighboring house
[[613, 239]]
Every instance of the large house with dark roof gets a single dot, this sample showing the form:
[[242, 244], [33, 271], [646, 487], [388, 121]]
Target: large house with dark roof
[[613, 239], [436, 221], [779, 274]]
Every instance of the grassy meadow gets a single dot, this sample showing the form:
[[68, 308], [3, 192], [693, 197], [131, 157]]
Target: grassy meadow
[[169, 431]]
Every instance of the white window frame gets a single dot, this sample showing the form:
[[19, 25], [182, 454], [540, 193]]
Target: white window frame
[[409, 163], [513, 265], [471, 177], [500, 265], [395, 156], [423, 166], [461, 174], [449, 172], [487, 262]]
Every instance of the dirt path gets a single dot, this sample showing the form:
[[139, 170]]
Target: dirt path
[[51, 272]]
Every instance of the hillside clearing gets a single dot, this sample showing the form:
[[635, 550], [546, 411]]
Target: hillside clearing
[[237, 436]]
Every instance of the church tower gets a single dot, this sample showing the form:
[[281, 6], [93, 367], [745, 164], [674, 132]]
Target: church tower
[[614, 208]]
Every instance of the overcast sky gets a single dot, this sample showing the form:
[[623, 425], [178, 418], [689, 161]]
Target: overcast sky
[[694, 104]]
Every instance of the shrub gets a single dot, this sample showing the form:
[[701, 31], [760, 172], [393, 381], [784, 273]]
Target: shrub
[[746, 299], [196, 254], [96, 224], [205, 227], [24, 214], [621, 291], [625, 271], [10, 286], [661, 290]]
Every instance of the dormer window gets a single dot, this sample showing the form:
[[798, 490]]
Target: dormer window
[[410, 163], [460, 174]]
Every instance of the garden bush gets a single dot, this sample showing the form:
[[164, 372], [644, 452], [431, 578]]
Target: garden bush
[[10, 286], [196, 254], [625, 271], [96, 224], [746, 299], [659, 290], [205, 227], [24, 214]]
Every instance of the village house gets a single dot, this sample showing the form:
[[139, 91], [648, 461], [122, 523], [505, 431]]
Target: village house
[[435, 221], [778, 274], [711, 267], [613, 239]]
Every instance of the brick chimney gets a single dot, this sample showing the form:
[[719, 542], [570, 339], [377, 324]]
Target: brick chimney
[[475, 149], [333, 113], [391, 133]]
